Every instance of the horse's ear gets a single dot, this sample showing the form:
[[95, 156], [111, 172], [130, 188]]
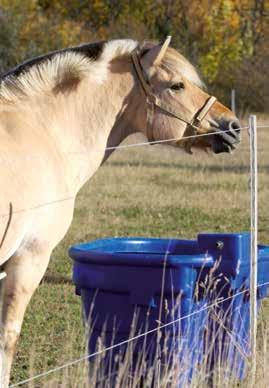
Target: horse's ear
[[161, 52], [155, 53]]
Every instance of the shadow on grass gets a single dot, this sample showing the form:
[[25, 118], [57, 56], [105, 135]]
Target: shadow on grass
[[240, 169]]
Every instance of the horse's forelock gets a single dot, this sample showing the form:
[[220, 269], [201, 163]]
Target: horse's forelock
[[175, 62]]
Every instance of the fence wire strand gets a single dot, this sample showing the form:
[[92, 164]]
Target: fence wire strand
[[120, 147]]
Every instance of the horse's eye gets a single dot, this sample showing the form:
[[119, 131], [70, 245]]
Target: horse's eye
[[178, 86]]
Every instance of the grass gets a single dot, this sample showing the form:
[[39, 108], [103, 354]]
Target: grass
[[147, 191]]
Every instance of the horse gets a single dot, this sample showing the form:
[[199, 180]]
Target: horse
[[61, 116]]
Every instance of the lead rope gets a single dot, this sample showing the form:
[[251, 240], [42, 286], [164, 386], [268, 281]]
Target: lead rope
[[3, 273], [7, 225]]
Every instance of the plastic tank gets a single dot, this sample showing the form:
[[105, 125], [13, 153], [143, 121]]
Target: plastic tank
[[159, 281]]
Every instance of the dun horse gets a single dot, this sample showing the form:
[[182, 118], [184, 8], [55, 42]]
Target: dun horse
[[58, 114]]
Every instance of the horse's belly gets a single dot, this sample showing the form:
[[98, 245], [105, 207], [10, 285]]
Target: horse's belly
[[28, 198], [13, 229]]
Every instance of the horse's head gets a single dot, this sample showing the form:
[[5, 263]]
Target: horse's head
[[177, 105]]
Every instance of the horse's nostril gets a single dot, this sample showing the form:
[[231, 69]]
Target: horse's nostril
[[234, 130], [235, 125]]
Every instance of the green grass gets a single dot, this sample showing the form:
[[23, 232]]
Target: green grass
[[147, 191]]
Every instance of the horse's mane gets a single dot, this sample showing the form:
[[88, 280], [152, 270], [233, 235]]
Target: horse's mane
[[91, 50], [61, 70]]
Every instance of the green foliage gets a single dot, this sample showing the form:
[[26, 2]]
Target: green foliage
[[220, 36]]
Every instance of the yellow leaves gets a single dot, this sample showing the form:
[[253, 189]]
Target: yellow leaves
[[214, 33], [222, 48]]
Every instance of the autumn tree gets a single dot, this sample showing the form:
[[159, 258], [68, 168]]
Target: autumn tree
[[226, 39]]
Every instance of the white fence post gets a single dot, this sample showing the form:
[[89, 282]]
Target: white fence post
[[254, 241], [233, 100]]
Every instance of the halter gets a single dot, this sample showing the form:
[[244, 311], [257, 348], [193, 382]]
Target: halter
[[153, 101]]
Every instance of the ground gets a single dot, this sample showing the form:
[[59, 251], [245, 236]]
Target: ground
[[146, 191]]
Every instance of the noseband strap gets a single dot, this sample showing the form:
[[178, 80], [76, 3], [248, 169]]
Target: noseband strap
[[152, 101]]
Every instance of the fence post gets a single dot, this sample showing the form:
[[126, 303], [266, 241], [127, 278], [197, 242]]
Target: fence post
[[233, 100], [254, 241]]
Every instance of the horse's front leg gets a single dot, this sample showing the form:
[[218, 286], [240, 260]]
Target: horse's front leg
[[24, 272]]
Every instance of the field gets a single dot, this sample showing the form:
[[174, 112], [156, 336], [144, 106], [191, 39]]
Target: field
[[146, 191]]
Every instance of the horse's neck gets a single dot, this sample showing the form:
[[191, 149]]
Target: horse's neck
[[122, 128], [94, 118]]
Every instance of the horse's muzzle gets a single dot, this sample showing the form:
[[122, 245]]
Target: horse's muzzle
[[226, 137]]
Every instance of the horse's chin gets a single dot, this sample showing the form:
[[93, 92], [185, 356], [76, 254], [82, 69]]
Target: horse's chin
[[214, 145], [219, 148], [224, 140]]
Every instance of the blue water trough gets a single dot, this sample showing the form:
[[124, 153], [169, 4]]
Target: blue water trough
[[134, 285]]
